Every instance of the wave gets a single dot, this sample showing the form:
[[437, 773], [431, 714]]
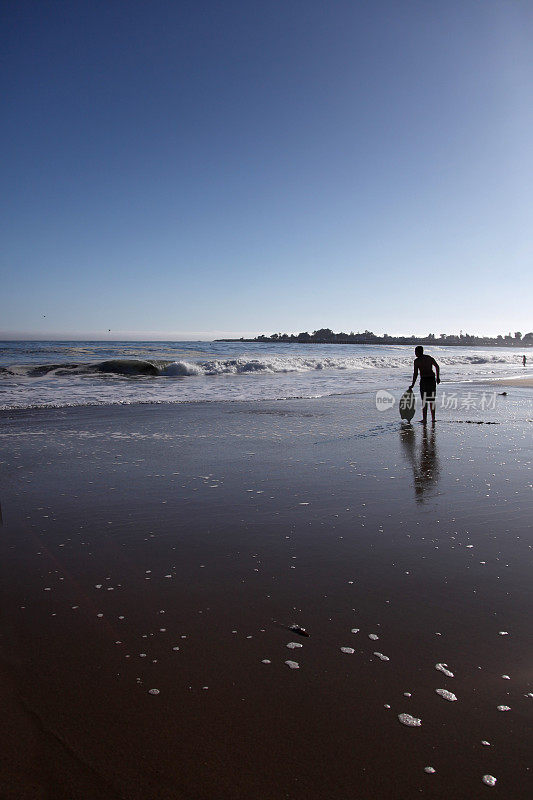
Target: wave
[[139, 368], [116, 366]]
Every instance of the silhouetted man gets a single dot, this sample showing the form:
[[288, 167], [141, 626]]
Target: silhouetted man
[[428, 381]]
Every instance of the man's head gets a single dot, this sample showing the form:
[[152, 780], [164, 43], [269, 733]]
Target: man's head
[[419, 351]]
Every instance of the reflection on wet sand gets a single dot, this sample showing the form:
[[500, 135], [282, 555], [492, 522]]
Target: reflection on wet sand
[[423, 460]]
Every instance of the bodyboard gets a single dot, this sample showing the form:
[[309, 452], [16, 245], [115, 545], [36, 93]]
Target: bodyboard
[[407, 405]]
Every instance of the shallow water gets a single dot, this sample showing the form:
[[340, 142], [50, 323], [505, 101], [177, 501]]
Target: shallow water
[[59, 374]]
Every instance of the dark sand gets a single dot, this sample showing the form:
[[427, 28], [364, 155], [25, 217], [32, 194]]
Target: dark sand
[[210, 527]]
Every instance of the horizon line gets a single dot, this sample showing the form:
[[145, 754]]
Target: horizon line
[[188, 336]]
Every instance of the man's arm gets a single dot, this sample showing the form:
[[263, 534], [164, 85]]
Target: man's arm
[[415, 374], [437, 370]]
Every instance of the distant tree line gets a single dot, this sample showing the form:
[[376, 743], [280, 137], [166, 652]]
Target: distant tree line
[[327, 336]]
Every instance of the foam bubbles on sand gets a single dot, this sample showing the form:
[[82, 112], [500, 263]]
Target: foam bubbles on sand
[[348, 650], [294, 645], [504, 708], [411, 722], [446, 694], [444, 668], [382, 657], [293, 664], [490, 780]]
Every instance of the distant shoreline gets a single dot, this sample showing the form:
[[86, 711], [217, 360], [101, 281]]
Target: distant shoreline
[[380, 341]]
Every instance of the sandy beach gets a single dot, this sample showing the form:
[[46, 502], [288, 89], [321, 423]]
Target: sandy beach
[[519, 381], [154, 559], [238, 240]]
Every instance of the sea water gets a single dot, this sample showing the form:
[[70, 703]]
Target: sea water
[[56, 374]]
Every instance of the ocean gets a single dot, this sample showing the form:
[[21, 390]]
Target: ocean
[[37, 374]]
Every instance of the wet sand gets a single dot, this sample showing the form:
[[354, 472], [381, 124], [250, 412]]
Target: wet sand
[[171, 548], [518, 381]]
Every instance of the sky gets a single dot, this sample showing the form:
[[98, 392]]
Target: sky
[[194, 169]]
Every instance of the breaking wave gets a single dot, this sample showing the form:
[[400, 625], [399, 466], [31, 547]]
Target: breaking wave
[[138, 368], [55, 375]]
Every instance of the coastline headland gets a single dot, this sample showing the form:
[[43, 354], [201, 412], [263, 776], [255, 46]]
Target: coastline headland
[[327, 336]]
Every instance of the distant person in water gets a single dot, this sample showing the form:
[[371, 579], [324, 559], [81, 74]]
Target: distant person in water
[[524, 359], [428, 381]]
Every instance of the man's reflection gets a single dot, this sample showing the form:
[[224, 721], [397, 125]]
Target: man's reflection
[[423, 459]]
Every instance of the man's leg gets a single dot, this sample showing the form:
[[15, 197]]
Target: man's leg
[[424, 408], [433, 402]]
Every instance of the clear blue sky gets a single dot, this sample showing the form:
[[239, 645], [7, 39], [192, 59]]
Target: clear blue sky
[[185, 169]]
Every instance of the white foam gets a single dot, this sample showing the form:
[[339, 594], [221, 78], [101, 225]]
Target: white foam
[[382, 657], [485, 743], [251, 371], [446, 694], [504, 708], [444, 668], [293, 664], [506, 677], [411, 722], [266, 661], [490, 780], [153, 691], [503, 633], [373, 636], [429, 770], [355, 630], [293, 645], [348, 650], [182, 369]]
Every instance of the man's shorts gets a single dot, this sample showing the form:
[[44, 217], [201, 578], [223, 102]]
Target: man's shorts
[[428, 389]]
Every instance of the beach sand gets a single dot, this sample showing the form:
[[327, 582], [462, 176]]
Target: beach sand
[[171, 548], [519, 381]]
